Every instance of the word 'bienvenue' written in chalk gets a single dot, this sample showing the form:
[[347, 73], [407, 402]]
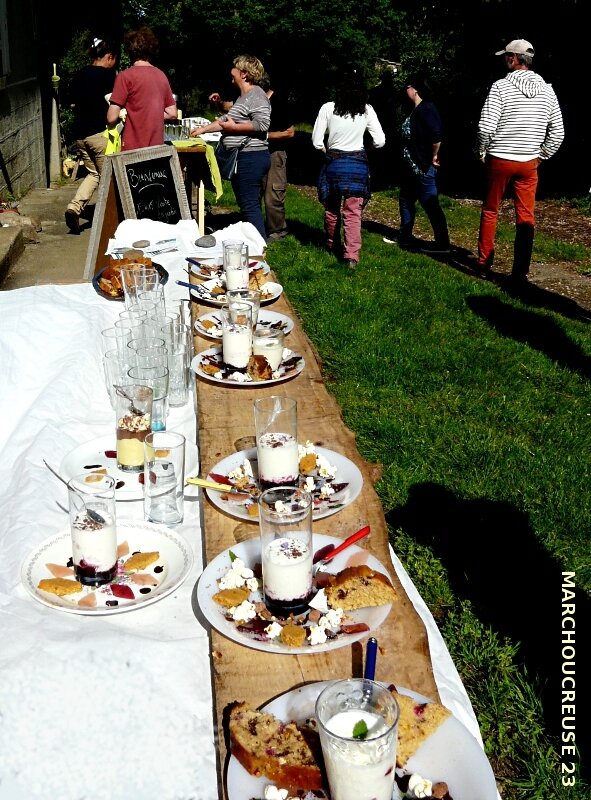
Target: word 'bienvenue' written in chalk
[[153, 190]]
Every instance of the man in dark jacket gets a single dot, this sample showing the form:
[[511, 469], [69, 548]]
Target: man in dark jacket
[[421, 140]]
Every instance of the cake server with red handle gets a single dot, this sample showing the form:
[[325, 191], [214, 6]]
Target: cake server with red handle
[[325, 554]]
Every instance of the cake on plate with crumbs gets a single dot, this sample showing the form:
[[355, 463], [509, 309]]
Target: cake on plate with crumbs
[[359, 587], [417, 722], [267, 747]]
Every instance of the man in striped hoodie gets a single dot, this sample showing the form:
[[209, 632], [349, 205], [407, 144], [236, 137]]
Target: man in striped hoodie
[[520, 126]]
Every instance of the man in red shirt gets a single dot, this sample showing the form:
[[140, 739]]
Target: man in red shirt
[[145, 93]]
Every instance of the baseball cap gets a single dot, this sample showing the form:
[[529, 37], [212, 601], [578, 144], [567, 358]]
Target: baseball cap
[[521, 46]]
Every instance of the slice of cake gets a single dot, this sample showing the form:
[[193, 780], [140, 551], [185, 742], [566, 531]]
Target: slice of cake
[[359, 587], [267, 747], [417, 722], [259, 368]]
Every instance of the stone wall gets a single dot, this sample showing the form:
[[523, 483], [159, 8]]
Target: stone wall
[[22, 151]]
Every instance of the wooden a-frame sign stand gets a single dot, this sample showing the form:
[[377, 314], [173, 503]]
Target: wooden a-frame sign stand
[[135, 185]]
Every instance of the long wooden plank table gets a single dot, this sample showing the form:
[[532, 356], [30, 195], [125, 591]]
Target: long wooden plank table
[[226, 425]]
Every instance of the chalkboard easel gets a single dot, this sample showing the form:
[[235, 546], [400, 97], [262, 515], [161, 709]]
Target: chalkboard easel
[[137, 184]]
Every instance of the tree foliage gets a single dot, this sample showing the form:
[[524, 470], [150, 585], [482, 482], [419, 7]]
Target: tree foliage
[[306, 45]]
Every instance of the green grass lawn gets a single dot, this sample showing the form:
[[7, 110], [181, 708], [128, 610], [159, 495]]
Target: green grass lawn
[[476, 404]]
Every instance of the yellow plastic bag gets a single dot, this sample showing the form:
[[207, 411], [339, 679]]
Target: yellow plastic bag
[[113, 136]]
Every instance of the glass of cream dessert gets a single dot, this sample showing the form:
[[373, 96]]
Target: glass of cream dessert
[[235, 256], [236, 334], [269, 343], [358, 725], [134, 423], [91, 500], [276, 427], [285, 521]]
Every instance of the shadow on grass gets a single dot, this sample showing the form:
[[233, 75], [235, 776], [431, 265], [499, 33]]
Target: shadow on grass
[[464, 261], [537, 331], [493, 560]]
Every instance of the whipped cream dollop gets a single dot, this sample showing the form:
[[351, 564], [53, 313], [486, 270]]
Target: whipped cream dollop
[[244, 470], [244, 612], [239, 575], [273, 793], [418, 787]]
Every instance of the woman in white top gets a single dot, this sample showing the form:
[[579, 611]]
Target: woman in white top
[[343, 184]]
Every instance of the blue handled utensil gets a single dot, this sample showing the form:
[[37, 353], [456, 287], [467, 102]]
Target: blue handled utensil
[[371, 653]]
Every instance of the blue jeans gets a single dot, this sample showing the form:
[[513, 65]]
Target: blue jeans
[[424, 189], [247, 183]]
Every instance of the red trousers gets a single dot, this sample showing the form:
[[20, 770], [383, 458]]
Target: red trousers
[[522, 176], [352, 208]]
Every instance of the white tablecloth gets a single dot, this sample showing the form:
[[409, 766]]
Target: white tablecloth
[[116, 707]]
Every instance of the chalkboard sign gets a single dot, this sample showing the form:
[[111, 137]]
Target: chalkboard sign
[[151, 185]]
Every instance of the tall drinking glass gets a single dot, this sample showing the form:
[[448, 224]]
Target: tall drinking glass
[[157, 378], [285, 520], [236, 335], [235, 260], [276, 428], [358, 726], [91, 500]]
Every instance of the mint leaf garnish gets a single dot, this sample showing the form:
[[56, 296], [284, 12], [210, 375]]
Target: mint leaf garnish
[[360, 730], [233, 556]]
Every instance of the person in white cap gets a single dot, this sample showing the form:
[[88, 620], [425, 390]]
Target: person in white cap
[[520, 126]]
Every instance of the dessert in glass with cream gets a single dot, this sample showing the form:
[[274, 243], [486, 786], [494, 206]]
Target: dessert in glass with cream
[[285, 520], [269, 343], [235, 257], [91, 500], [236, 335], [134, 423], [276, 427], [358, 727]]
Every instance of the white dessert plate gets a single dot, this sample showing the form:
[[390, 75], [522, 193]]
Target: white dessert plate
[[203, 292], [346, 472], [212, 268], [171, 569], [267, 320], [289, 368], [100, 454], [250, 552], [451, 754]]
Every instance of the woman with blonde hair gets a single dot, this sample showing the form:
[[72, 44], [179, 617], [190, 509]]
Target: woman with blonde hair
[[244, 127]]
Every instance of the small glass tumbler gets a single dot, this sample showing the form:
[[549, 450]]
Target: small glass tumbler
[[91, 501], [116, 365], [134, 422], [285, 521], [235, 261], [250, 296], [164, 477], [276, 428], [118, 338], [269, 343], [157, 378], [178, 378], [136, 278], [358, 725]]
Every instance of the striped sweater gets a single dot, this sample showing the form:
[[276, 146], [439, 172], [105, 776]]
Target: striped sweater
[[521, 119], [252, 106]]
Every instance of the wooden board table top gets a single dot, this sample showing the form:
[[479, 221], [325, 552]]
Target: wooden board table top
[[226, 425]]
